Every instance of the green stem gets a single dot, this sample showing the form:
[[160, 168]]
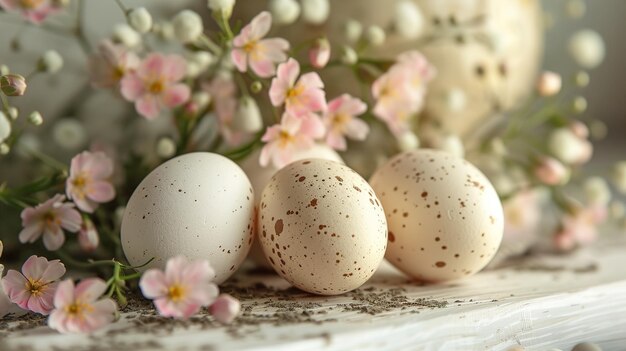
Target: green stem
[[122, 7], [80, 28], [49, 161]]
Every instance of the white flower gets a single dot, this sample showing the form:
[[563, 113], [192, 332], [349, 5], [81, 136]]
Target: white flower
[[455, 100], [408, 141], [597, 191], [35, 118], [587, 47], [140, 19], [248, 116], [223, 7], [165, 147], [315, 11], [126, 35], [451, 144], [567, 147], [284, 11], [375, 35], [165, 30], [408, 20], [187, 26], [51, 61], [549, 84], [5, 127], [69, 134], [618, 176], [349, 56], [353, 30]]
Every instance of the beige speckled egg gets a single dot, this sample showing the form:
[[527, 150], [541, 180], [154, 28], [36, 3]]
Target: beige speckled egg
[[259, 177], [322, 227], [199, 205], [445, 218]]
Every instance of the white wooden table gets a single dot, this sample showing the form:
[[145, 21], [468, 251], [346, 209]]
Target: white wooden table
[[538, 303]]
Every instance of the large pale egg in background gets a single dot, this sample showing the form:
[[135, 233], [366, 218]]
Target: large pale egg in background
[[445, 218], [199, 205], [322, 227]]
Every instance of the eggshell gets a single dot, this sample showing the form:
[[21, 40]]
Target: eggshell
[[259, 177], [200, 205], [445, 218], [322, 227]]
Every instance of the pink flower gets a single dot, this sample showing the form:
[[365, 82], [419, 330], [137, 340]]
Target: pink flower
[[112, 63], [261, 54], [579, 227], [522, 214], [340, 120], [551, 171], [222, 91], [225, 308], [549, 83], [400, 92], [319, 54], [182, 290], [154, 85], [78, 309], [34, 288], [49, 218], [300, 97], [291, 135], [88, 183], [88, 237], [34, 11]]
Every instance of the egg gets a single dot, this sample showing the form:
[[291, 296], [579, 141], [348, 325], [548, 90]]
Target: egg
[[259, 177], [199, 205], [445, 218], [322, 227]]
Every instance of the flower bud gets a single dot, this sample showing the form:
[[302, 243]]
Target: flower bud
[[579, 105], [349, 56], [256, 87], [166, 147], [549, 84], [248, 116], [451, 144], [13, 85], [597, 191], [579, 129], [222, 7], [50, 62], [4, 69], [582, 79], [588, 48], [225, 308], [126, 35], [140, 19], [188, 26], [88, 237], [375, 35], [35, 118], [320, 53], [4, 149], [315, 11], [5, 127], [353, 30], [202, 99], [408, 141], [550, 171], [13, 112], [284, 11], [408, 20]]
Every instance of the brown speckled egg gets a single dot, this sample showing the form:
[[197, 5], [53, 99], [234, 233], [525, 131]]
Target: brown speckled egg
[[322, 227], [199, 205], [445, 218]]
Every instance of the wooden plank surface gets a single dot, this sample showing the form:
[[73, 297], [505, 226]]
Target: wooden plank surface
[[539, 302]]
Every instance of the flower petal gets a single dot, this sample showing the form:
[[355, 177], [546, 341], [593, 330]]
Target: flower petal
[[260, 25], [148, 106], [176, 95], [100, 191], [54, 271], [153, 284], [90, 289], [31, 233], [53, 238], [34, 267], [64, 294], [132, 87], [240, 59]]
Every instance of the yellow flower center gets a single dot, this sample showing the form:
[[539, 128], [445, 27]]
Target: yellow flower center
[[176, 292], [284, 139], [77, 308], [35, 287], [79, 182], [294, 92], [250, 46], [118, 73], [156, 87], [340, 121], [51, 218], [30, 4]]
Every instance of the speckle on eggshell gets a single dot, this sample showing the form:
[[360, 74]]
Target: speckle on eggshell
[[445, 216]]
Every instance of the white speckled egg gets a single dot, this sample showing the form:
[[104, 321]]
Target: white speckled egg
[[445, 218], [200, 205], [322, 227], [259, 177]]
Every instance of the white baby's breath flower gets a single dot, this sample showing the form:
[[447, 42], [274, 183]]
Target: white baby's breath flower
[[315, 11], [618, 176], [549, 84], [165, 30], [140, 19], [597, 191], [35, 118], [13, 112], [5, 127], [69, 134], [375, 35], [248, 116], [284, 11], [126, 35], [567, 147], [587, 47], [187, 26], [223, 7], [349, 56], [51, 62], [408, 141], [353, 30], [165, 147], [455, 99], [408, 20], [451, 144]]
